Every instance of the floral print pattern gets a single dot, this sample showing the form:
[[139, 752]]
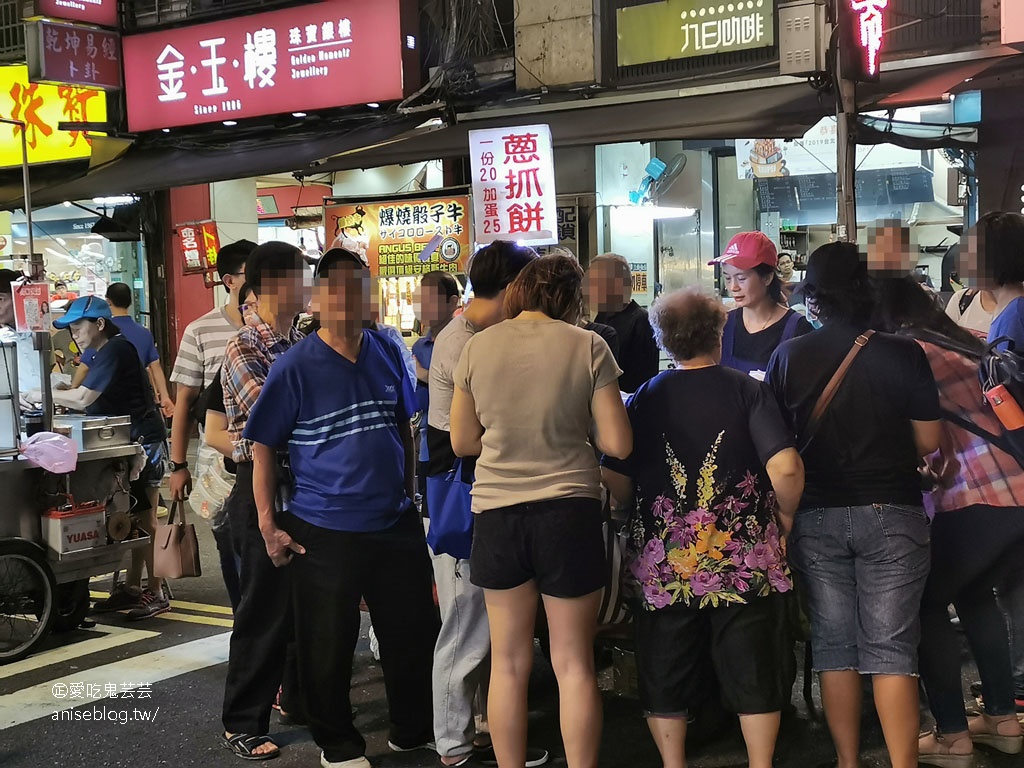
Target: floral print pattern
[[723, 547]]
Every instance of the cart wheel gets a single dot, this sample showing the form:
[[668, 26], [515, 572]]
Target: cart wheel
[[26, 598], [72, 605]]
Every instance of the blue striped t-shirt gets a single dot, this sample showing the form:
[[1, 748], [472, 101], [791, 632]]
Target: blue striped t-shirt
[[340, 423]]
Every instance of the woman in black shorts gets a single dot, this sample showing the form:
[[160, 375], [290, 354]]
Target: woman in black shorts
[[716, 479], [528, 392]]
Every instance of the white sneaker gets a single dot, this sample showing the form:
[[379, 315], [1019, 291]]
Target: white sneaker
[[374, 645], [357, 762], [429, 745]]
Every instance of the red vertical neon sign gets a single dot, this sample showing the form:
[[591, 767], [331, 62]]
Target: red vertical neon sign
[[869, 23]]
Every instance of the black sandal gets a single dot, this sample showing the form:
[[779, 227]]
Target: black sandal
[[244, 745]]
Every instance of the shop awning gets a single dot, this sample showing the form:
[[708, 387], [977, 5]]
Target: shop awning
[[769, 106], [939, 83], [773, 106], [148, 168]]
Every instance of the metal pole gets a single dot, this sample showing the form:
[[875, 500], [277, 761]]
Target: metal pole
[[27, 187], [42, 341], [846, 176]]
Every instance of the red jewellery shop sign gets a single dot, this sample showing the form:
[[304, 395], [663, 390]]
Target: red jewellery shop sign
[[1013, 22], [101, 12], [69, 55], [331, 54]]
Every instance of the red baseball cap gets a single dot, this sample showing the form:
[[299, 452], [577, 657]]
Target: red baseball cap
[[748, 249]]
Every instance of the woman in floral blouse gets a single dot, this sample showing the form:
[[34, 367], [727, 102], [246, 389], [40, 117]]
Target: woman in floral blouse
[[716, 479]]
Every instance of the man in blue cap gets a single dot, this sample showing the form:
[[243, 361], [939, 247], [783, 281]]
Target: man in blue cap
[[117, 385]]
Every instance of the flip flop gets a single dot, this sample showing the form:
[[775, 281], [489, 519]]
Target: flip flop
[[244, 746]]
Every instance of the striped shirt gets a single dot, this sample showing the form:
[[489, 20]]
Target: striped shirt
[[343, 424], [202, 349]]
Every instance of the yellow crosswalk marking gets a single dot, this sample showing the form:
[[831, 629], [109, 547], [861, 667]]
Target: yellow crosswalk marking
[[102, 638], [222, 610], [191, 619]]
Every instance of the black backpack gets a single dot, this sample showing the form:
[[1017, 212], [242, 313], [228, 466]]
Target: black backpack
[[996, 368]]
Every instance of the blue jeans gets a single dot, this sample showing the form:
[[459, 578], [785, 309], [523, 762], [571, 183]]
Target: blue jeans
[[1011, 600], [863, 571], [973, 549]]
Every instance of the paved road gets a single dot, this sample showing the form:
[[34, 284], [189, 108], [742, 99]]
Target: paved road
[[181, 655]]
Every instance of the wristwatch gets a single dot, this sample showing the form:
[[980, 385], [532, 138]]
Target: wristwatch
[[176, 467]]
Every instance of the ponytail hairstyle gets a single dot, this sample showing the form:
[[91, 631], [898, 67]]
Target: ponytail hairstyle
[[776, 290]]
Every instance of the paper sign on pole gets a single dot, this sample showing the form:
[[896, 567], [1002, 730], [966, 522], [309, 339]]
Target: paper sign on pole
[[32, 307], [514, 185]]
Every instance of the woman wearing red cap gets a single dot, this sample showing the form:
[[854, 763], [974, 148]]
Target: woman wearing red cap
[[761, 320]]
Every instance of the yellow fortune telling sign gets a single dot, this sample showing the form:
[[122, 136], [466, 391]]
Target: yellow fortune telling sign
[[41, 107]]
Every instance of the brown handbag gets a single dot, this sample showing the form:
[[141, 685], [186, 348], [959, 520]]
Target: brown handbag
[[176, 547]]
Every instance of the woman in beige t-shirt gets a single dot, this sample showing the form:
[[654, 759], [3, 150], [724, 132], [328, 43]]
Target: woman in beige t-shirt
[[529, 393]]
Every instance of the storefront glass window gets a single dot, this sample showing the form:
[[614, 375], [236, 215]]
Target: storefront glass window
[[78, 262]]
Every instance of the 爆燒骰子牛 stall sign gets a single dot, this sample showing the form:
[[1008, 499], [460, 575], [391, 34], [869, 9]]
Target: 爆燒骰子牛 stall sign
[[682, 29], [399, 237]]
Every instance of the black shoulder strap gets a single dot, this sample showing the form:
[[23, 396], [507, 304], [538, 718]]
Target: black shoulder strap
[[789, 330], [998, 441], [966, 298], [939, 340]]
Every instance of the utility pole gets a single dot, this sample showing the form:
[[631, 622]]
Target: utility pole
[[846, 139], [846, 161]]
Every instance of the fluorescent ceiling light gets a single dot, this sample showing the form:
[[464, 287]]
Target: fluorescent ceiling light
[[115, 200]]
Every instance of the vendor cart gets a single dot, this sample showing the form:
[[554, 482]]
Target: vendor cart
[[56, 530], [45, 565]]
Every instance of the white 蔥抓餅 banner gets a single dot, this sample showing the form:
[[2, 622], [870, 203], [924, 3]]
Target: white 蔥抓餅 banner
[[514, 185]]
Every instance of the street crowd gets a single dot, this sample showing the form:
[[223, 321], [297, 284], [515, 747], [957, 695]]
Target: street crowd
[[787, 460]]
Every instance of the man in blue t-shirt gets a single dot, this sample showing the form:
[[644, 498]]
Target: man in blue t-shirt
[[341, 401], [438, 298], [119, 296]]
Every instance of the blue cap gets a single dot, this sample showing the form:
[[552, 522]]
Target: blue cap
[[84, 308]]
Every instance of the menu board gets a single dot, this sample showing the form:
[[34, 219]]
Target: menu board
[[812, 199]]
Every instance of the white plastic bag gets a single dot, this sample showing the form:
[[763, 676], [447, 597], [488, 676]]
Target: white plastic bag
[[210, 490], [54, 453]]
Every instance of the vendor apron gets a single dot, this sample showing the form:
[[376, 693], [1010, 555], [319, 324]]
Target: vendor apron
[[749, 367]]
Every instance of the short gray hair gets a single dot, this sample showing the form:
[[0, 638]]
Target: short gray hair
[[688, 323]]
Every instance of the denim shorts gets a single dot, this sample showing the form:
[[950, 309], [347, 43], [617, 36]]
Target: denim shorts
[[863, 571], [156, 464]]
